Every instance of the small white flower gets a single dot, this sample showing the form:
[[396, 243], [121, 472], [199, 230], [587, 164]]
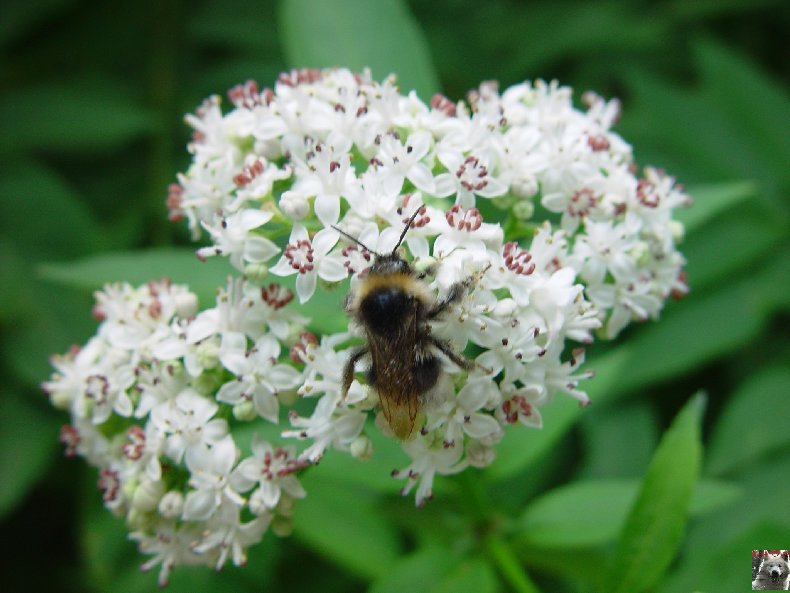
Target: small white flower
[[331, 425], [460, 413], [311, 259], [258, 377], [271, 470], [430, 456], [234, 238], [187, 423], [467, 177], [210, 480]]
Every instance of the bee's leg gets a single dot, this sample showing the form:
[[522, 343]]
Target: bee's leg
[[427, 271], [348, 369], [445, 348], [455, 294]]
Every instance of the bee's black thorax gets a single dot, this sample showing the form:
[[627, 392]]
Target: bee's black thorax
[[385, 309]]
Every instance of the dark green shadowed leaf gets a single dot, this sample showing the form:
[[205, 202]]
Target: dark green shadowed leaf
[[28, 442], [712, 200], [752, 102], [654, 528], [471, 575], [420, 571], [728, 246], [43, 215], [91, 115], [754, 422], [139, 267], [345, 525], [356, 34]]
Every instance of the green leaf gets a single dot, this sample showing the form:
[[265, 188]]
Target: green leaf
[[736, 240], [751, 101], [372, 474], [471, 575], [54, 318], [754, 422], [43, 215], [580, 514], [712, 200], [618, 445], [717, 545], [87, 115], [21, 16], [356, 34], [345, 525], [712, 495], [421, 570], [240, 24], [138, 267], [107, 551], [592, 513], [654, 528], [28, 443], [522, 446]]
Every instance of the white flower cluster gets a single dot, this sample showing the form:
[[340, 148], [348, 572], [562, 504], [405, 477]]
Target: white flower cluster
[[575, 243]]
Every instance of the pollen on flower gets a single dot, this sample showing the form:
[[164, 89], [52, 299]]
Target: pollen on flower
[[518, 260], [299, 351], [248, 95], [442, 103], [136, 446], [276, 296], [356, 259], [581, 202], [110, 484], [70, 437], [598, 143], [646, 193], [464, 219], [300, 255], [472, 174], [249, 173]]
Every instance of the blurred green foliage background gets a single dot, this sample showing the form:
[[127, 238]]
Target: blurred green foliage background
[[91, 133]]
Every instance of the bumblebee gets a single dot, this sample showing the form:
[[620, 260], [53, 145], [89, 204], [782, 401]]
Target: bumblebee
[[394, 307]]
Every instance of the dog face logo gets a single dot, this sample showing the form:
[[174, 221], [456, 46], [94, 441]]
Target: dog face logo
[[772, 570]]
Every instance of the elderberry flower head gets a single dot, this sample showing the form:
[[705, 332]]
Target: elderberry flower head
[[159, 396]]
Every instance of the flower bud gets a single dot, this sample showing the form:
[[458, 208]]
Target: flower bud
[[244, 411], [282, 526], [362, 447], [186, 305], [171, 504], [256, 272], [294, 205], [208, 354], [147, 495], [479, 455], [523, 209], [525, 187]]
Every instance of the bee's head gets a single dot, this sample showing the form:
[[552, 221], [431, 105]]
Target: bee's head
[[390, 263]]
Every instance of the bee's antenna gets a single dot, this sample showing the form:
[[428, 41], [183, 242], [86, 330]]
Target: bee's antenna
[[355, 240], [406, 228]]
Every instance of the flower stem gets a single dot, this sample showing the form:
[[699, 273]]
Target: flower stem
[[508, 565], [498, 550]]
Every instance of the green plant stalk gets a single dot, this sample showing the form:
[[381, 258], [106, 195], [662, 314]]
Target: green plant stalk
[[498, 550]]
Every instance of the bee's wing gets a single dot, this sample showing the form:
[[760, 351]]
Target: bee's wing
[[393, 362]]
